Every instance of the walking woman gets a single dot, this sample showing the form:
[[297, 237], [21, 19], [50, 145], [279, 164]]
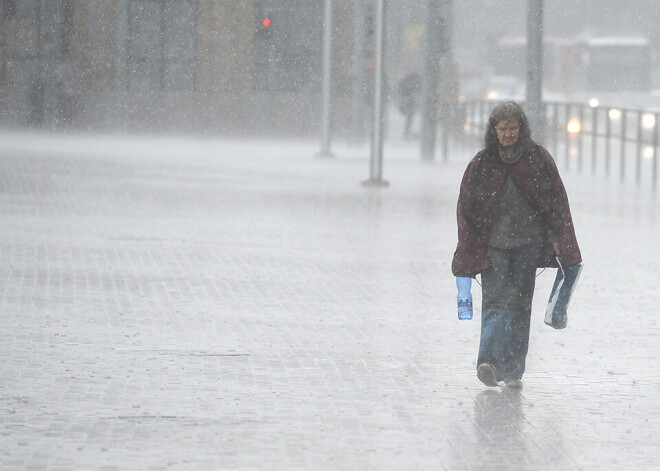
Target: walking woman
[[513, 217]]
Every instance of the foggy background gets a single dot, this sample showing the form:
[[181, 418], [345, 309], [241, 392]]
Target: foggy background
[[211, 66]]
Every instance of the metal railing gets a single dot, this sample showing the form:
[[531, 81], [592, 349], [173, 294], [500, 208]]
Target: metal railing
[[607, 139]]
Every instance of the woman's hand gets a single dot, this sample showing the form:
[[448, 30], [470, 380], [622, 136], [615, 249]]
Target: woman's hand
[[555, 245]]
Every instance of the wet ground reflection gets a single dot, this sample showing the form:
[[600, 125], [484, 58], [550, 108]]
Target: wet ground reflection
[[498, 439], [499, 419]]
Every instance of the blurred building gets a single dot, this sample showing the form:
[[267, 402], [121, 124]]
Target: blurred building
[[215, 66], [176, 65], [36, 72]]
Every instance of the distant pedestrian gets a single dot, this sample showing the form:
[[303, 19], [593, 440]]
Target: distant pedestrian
[[408, 92], [513, 217], [36, 103]]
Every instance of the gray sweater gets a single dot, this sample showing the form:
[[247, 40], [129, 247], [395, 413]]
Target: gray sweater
[[514, 223]]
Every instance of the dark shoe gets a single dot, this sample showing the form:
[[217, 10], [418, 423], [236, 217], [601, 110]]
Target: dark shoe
[[513, 383], [486, 374]]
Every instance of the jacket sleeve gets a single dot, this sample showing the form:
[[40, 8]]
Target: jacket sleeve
[[559, 215], [470, 257]]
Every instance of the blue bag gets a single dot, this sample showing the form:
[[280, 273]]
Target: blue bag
[[562, 290]]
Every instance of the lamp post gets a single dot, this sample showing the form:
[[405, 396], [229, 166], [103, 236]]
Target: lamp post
[[327, 81], [359, 79], [437, 48], [121, 59], [376, 161], [535, 67]]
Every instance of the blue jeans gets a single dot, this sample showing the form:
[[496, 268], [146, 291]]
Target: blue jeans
[[507, 290]]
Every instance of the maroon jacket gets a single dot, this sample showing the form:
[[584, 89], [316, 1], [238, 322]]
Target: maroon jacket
[[536, 177]]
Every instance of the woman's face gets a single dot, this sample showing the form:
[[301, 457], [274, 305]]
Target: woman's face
[[508, 131]]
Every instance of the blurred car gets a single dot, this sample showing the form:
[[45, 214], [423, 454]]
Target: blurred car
[[504, 87]]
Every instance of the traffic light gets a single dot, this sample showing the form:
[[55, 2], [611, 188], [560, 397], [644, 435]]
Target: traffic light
[[267, 56], [287, 44], [265, 24]]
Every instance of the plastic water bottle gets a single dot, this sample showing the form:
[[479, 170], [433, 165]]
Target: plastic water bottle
[[464, 298]]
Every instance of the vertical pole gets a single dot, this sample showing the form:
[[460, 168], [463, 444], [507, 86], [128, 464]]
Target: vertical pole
[[448, 105], [359, 78], [433, 42], [444, 129], [622, 162], [580, 137], [555, 126], [467, 122], [476, 120], [463, 114], [567, 135], [161, 65], [479, 125], [38, 88], [327, 77], [121, 59], [655, 150], [594, 138], [376, 161], [608, 142], [640, 138], [535, 67]]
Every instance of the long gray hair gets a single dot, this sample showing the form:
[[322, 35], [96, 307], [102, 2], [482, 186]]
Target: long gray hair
[[503, 112]]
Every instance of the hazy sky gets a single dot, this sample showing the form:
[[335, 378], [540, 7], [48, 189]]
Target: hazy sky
[[476, 20]]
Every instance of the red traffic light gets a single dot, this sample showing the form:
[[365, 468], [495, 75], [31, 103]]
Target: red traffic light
[[266, 22]]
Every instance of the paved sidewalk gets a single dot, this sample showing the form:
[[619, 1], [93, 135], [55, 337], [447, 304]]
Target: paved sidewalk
[[218, 305]]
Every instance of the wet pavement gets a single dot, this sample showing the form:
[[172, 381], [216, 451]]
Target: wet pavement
[[217, 304]]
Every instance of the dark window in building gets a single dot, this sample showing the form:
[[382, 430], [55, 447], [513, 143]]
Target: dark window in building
[[9, 9], [162, 44], [21, 10], [179, 44], [67, 26]]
